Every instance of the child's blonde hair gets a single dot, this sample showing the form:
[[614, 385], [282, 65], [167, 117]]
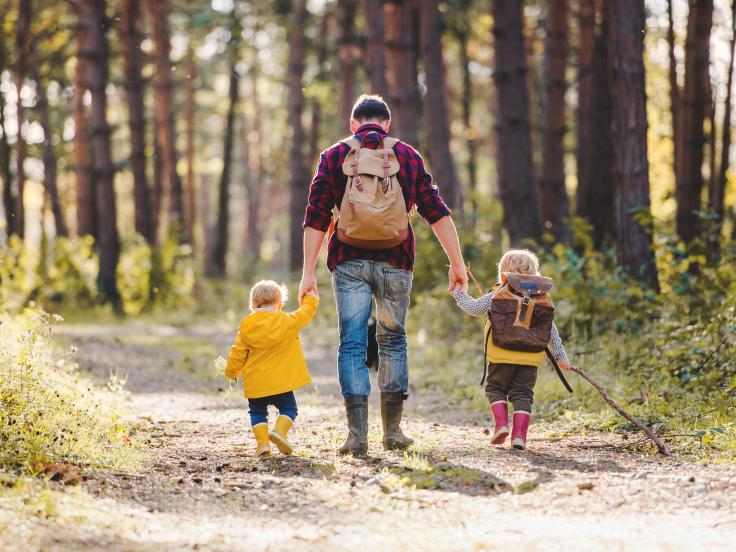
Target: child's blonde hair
[[521, 261], [267, 292]]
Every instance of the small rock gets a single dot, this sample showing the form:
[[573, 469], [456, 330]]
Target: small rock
[[197, 480]]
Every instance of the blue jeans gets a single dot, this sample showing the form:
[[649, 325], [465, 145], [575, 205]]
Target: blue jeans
[[258, 408], [357, 284]]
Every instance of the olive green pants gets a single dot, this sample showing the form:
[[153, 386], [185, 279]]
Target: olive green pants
[[513, 382]]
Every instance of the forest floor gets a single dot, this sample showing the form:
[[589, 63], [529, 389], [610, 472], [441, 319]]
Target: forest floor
[[202, 489]]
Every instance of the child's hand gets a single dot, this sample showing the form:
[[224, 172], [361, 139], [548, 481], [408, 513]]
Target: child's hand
[[564, 364], [314, 293]]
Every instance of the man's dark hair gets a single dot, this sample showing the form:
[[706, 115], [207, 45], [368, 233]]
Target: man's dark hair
[[370, 106]]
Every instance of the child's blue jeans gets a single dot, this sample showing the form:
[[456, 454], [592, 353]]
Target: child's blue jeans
[[284, 402]]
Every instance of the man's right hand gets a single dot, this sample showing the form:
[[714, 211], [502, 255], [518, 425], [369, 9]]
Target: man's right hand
[[308, 284]]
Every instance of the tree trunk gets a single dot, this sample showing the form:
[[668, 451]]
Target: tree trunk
[[514, 164], [93, 14], [462, 33], [159, 216], [375, 54], [629, 132], [22, 45], [85, 185], [189, 114], [134, 89], [401, 63], [49, 157], [555, 204], [166, 131], [717, 192], [585, 114], [347, 56], [438, 135], [299, 177], [219, 255], [9, 199], [595, 194], [674, 90], [316, 108], [694, 106], [254, 182]]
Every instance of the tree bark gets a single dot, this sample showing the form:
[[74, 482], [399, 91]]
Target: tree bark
[[555, 204], [694, 106], [166, 131], [401, 63], [22, 45], [93, 14], [85, 185], [134, 89], [462, 32], [49, 157], [584, 116], [438, 135], [299, 178], [375, 53], [716, 193], [347, 55], [595, 194], [255, 185], [674, 90], [316, 108], [219, 254], [629, 132], [514, 164], [189, 115], [9, 199]]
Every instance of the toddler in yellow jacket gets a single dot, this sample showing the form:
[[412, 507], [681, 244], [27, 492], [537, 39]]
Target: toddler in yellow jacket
[[269, 356]]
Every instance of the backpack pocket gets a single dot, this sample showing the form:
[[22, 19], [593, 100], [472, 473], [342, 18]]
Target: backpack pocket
[[541, 325], [503, 315]]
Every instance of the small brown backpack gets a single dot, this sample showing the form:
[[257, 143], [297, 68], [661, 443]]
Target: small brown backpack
[[522, 313], [373, 211]]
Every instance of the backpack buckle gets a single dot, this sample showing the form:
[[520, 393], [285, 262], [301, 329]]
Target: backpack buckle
[[358, 183], [385, 183]]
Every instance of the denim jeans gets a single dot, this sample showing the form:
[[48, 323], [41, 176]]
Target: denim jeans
[[258, 408], [357, 284]]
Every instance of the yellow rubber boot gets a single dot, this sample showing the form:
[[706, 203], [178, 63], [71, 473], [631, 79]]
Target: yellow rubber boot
[[280, 432], [263, 446]]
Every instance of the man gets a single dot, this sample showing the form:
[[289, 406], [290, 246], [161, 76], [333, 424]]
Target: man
[[361, 275]]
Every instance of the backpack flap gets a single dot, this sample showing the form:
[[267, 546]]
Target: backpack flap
[[526, 284]]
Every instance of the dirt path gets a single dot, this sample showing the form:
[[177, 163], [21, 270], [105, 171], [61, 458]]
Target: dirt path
[[202, 489]]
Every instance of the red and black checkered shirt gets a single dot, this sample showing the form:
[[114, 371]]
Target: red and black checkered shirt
[[328, 187]]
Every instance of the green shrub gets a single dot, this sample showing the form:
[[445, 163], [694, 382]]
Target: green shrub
[[48, 413]]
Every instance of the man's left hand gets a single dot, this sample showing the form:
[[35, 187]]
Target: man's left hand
[[458, 278]]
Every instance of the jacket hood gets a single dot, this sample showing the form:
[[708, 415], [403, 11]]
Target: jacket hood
[[265, 329]]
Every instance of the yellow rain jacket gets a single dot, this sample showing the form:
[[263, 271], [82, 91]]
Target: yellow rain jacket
[[267, 351]]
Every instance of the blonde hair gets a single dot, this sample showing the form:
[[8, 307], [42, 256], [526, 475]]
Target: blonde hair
[[521, 261], [267, 292]]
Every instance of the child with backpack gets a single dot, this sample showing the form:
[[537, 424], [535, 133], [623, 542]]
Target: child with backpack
[[269, 356], [519, 331]]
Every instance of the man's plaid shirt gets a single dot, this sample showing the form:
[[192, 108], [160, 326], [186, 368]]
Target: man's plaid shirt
[[328, 187]]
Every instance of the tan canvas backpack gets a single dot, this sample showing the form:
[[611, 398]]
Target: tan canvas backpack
[[373, 211]]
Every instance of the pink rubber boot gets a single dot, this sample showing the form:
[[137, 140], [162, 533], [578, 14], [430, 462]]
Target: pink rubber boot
[[521, 426], [501, 416]]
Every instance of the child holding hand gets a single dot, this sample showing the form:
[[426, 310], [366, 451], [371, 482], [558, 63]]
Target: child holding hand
[[512, 372], [269, 356]]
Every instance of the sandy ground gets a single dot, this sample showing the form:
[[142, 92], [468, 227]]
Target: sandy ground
[[203, 490]]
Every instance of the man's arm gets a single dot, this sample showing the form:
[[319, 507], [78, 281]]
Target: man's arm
[[317, 219], [312, 244], [435, 212], [446, 233]]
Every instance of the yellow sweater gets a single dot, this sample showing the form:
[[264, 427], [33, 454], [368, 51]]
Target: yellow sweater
[[267, 351]]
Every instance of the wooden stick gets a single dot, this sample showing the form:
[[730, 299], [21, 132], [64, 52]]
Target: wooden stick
[[475, 280], [648, 432]]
